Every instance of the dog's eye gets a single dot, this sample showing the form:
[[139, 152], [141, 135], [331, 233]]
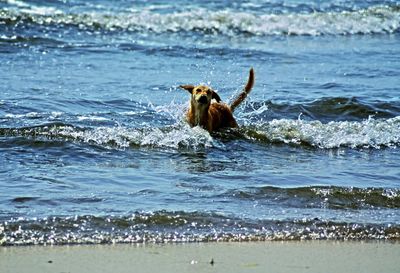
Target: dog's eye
[[198, 90], [208, 91]]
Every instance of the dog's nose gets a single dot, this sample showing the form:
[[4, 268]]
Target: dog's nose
[[203, 99]]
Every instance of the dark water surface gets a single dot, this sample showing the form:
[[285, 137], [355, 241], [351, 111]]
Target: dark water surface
[[94, 147]]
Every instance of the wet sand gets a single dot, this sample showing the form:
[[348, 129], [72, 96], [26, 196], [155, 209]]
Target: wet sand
[[312, 256]]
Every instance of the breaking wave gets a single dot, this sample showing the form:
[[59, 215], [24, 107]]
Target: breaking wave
[[369, 133], [164, 226], [176, 137], [372, 20], [328, 123]]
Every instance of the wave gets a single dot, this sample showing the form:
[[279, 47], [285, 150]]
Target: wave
[[370, 133], [165, 226], [380, 19], [330, 197], [307, 197], [324, 109], [18, 39], [176, 137], [328, 123]]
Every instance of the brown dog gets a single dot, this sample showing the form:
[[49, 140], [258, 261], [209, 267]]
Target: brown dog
[[213, 115]]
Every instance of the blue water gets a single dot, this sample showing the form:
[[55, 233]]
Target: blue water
[[95, 149]]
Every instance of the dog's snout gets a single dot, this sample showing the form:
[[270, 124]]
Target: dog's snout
[[203, 99]]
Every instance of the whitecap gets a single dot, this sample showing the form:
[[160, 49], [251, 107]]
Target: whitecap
[[376, 19], [92, 118], [17, 3], [27, 115], [133, 113], [56, 114], [180, 136], [369, 133]]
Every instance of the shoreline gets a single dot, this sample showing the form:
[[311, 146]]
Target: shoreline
[[285, 256]]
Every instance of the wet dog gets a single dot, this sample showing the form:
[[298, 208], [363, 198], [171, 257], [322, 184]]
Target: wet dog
[[207, 110]]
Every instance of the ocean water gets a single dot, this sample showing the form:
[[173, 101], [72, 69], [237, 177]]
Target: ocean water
[[94, 147]]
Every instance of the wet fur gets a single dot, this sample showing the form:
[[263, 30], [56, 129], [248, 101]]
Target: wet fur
[[207, 110]]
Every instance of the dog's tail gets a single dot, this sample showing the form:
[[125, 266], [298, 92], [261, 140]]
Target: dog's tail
[[238, 100]]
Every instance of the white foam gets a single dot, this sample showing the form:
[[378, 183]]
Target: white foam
[[56, 114], [133, 113], [17, 3], [375, 19], [14, 116], [27, 115], [33, 9], [9, 38], [182, 137], [370, 133], [92, 118], [42, 10], [175, 137]]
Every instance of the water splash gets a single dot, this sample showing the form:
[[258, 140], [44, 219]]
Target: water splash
[[369, 133], [179, 136]]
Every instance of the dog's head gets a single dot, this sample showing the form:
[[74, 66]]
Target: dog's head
[[201, 94]]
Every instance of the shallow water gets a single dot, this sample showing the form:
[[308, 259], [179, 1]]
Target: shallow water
[[94, 147]]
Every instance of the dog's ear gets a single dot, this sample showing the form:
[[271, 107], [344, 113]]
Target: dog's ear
[[215, 96], [188, 88]]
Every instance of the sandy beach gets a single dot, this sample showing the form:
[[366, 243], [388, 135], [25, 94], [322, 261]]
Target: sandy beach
[[311, 256]]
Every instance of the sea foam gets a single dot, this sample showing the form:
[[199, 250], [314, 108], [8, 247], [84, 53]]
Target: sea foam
[[372, 20]]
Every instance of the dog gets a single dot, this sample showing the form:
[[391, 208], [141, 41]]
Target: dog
[[206, 109]]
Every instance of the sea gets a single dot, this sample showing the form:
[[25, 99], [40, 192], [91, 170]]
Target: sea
[[95, 149]]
